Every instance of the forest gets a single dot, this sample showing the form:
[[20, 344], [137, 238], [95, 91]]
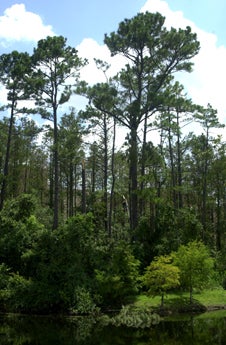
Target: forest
[[82, 220]]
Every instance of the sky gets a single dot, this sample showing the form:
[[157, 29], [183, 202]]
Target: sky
[[84, 23]]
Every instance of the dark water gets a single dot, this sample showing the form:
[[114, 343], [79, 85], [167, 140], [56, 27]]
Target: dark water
[[25, 330]]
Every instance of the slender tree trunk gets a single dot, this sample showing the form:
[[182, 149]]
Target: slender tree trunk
[[7, 156], [83, 187], [75, 190], [25, 188], [173, 177], [105, 173], [51, 183], [71, 184], [179, 168], [143, 162], [94, 169], [218, 222], [113, 179], [56, 172], [204, 187], [133, 180]]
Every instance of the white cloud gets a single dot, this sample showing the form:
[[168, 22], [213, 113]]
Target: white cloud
[[17, 24], [90, 49], [207, 83], [3, 95]]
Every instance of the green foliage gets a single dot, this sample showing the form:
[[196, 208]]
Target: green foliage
[[61, 63], [220, 268], [195, 264], [62, 266], [20, 208], [19, 231], [83, 302], [4, 281], [79, 270], [161, 275], [176, 191], [14, 70], [117, 279], [26, 295], [162, 232], [16, 293], [4, 275], [131, 316]]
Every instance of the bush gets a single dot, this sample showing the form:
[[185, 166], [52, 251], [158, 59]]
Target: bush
[[196, 266], [160, 276], [83, 302], [117, 279], [130, 316]]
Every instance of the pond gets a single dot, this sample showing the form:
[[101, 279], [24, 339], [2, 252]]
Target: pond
[[208, 328]]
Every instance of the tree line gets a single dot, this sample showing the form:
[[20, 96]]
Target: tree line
[[64, 198]]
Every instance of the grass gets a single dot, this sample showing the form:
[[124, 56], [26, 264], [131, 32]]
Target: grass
[[208, 298], [212, 315], [212, 297]]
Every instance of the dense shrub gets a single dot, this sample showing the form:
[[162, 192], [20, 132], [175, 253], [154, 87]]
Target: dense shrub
[[118, 277]]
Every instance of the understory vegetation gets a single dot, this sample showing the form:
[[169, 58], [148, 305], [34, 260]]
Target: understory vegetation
[[87, 223], [77, 269]]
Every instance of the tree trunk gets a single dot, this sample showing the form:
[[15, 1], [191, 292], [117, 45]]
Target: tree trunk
[[204, 187], [173, 178], [133, 180], [179, 168], [218, 222], [113, 179], [56, 172], [143, 162], [105, 173], [71, 184], [7, 156], [83, 187], [51, 183]]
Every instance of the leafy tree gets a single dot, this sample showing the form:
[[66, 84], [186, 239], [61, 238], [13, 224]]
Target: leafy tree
[[14, 71], [28, 131], [62, 264], [54, 66], [117, 274], [3, 139], [199, 161], [70, 157], [19, 231], [100, 126], [23, 173], [208, 120], [217, 177], [152, 54], [171, 122], [104, 130], [161, 275], [195, 264]]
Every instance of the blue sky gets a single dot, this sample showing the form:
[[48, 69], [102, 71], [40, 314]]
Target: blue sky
[[209, 15], [84, 23], [78, 19]]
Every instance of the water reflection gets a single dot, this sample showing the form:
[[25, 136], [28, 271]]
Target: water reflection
[[25, 330]]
